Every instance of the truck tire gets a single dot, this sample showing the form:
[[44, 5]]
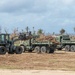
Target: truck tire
[[72, 48], [23, 48], [18, 50], [50, 50], [43, 49], [59, 49], [37, 49], [29, 51], [67, 48], [3, 50]]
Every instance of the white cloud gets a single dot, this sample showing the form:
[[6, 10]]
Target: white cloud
[[67, 2], [20, 13]]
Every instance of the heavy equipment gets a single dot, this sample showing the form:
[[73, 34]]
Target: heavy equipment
[[65, 42], [7, 45], [27, 43], [30, 44]]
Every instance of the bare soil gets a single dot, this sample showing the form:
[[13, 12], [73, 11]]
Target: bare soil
[[60, 60], [35, 72]]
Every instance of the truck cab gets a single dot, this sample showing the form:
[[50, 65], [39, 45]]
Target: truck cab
[[4, 38], [7, 45], [62, 39]]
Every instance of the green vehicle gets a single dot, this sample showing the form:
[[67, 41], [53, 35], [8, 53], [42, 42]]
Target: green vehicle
[[65, 42], [37, 46], [7, 45]]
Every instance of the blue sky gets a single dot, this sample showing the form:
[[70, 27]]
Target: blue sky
[[49, 15]]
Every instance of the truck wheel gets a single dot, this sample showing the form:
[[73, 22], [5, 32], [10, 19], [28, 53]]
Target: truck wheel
[[3, 50], [59, 48], [50, 50], [72, 48], [29, 51], [23, 48], [67, 48], [43, 49], [18, 50], [37, 49]]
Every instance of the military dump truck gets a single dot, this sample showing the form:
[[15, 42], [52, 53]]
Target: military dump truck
[[30, 44], [65, 42], [27, 43], [7, 45]]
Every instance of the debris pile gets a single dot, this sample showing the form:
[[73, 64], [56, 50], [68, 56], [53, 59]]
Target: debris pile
[[44, 38]]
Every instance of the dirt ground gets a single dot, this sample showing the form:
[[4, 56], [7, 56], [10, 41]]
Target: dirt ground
[[60, 60], [35, 72]]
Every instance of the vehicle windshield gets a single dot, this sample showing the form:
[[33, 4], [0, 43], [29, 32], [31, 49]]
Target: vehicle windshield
[[66, 37], [1, 38], [4, 37]]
